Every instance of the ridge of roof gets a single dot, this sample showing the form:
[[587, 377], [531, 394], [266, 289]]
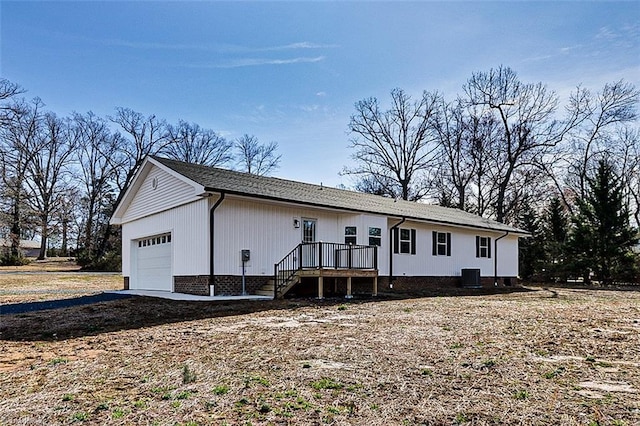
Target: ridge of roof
[[216, 179]]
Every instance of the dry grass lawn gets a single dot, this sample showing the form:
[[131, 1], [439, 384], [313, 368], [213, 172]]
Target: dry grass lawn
[[52, 279], [557, 357]]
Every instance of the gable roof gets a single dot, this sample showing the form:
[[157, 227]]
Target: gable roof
[[238, 183]]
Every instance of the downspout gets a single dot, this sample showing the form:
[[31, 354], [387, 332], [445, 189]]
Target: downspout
[[211, 238], [495, 258], [391, 278]]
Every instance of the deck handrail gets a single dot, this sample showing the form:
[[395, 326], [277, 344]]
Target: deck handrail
[[323, 255]]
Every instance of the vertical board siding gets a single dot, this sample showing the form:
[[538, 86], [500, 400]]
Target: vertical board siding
[[463, 253], [170, 192], [267, 230], [189, 229], [507, 256]]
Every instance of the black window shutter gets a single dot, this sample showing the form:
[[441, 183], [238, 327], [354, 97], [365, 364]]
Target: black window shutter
[[435, 243], [448, 243], [413, 241], [477, 246], [489, 247], [396, 240]]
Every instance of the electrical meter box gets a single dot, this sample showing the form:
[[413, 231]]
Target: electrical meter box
[[246, 255]]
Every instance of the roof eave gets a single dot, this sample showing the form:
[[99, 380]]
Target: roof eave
[[513, 231]]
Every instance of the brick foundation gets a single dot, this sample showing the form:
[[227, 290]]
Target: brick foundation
[[125, 283], [191, 284], [230, 285], [434, 285]]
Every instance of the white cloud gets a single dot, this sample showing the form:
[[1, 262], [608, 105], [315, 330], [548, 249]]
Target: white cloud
[[253, 62]]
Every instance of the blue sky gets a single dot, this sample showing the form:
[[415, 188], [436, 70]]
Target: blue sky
[[291, 72]]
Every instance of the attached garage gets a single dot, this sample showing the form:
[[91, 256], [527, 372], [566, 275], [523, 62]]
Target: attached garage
[[152, 263]]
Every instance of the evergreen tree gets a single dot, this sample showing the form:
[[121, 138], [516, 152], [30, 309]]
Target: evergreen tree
[[531, 250], [555, 229], [601, 238]]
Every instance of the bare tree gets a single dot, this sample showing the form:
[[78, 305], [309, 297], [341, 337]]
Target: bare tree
[[7, 91], [145, 135], [615, 105], [97, 147], [19, 144], [256, 158], [395, 146], [193, 144], [47, 171], [529, 130]]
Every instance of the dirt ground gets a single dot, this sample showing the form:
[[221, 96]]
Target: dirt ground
[[532, 357]]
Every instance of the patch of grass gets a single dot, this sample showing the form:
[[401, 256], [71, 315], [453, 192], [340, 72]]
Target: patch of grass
[[141, 403], [456, 345], [554, 373], [255, 379], [342, 307], [461, 418], [590, 358], [68, 397], [426, 372], [117, 413], [184, 395], [242, 402], [326, 384], [521, 394], [221, 390], [56, 361], [264, 408], [188, 376], [80, 416], [102, 406]]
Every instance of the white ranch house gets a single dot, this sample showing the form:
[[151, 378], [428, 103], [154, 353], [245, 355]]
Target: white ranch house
[[202, 230]]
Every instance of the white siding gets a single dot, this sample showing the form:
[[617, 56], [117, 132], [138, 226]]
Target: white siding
[[169, 192], [463, 253], [189, 228], [508, 256], [267, 230], [264, 228]]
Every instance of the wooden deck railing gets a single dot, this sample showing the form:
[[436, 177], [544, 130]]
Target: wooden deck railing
[[321, 255]]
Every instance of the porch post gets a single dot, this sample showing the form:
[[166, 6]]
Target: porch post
[[320, 287], [375, 285], [349, 295]]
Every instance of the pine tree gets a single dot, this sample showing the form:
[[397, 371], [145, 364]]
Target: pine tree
[[601, 238], [531, 249], [555, 230]]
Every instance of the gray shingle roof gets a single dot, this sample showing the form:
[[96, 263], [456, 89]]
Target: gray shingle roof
[[232, 182]]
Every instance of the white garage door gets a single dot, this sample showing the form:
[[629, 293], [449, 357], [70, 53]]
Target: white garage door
[[154, 263]]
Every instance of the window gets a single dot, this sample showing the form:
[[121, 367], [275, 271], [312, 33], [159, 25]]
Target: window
[[350, 236], [483, 246], [441, 243], [375, 237], [404, 240], [161, 239]]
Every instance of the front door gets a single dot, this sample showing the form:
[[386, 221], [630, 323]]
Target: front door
[[309, 251]]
